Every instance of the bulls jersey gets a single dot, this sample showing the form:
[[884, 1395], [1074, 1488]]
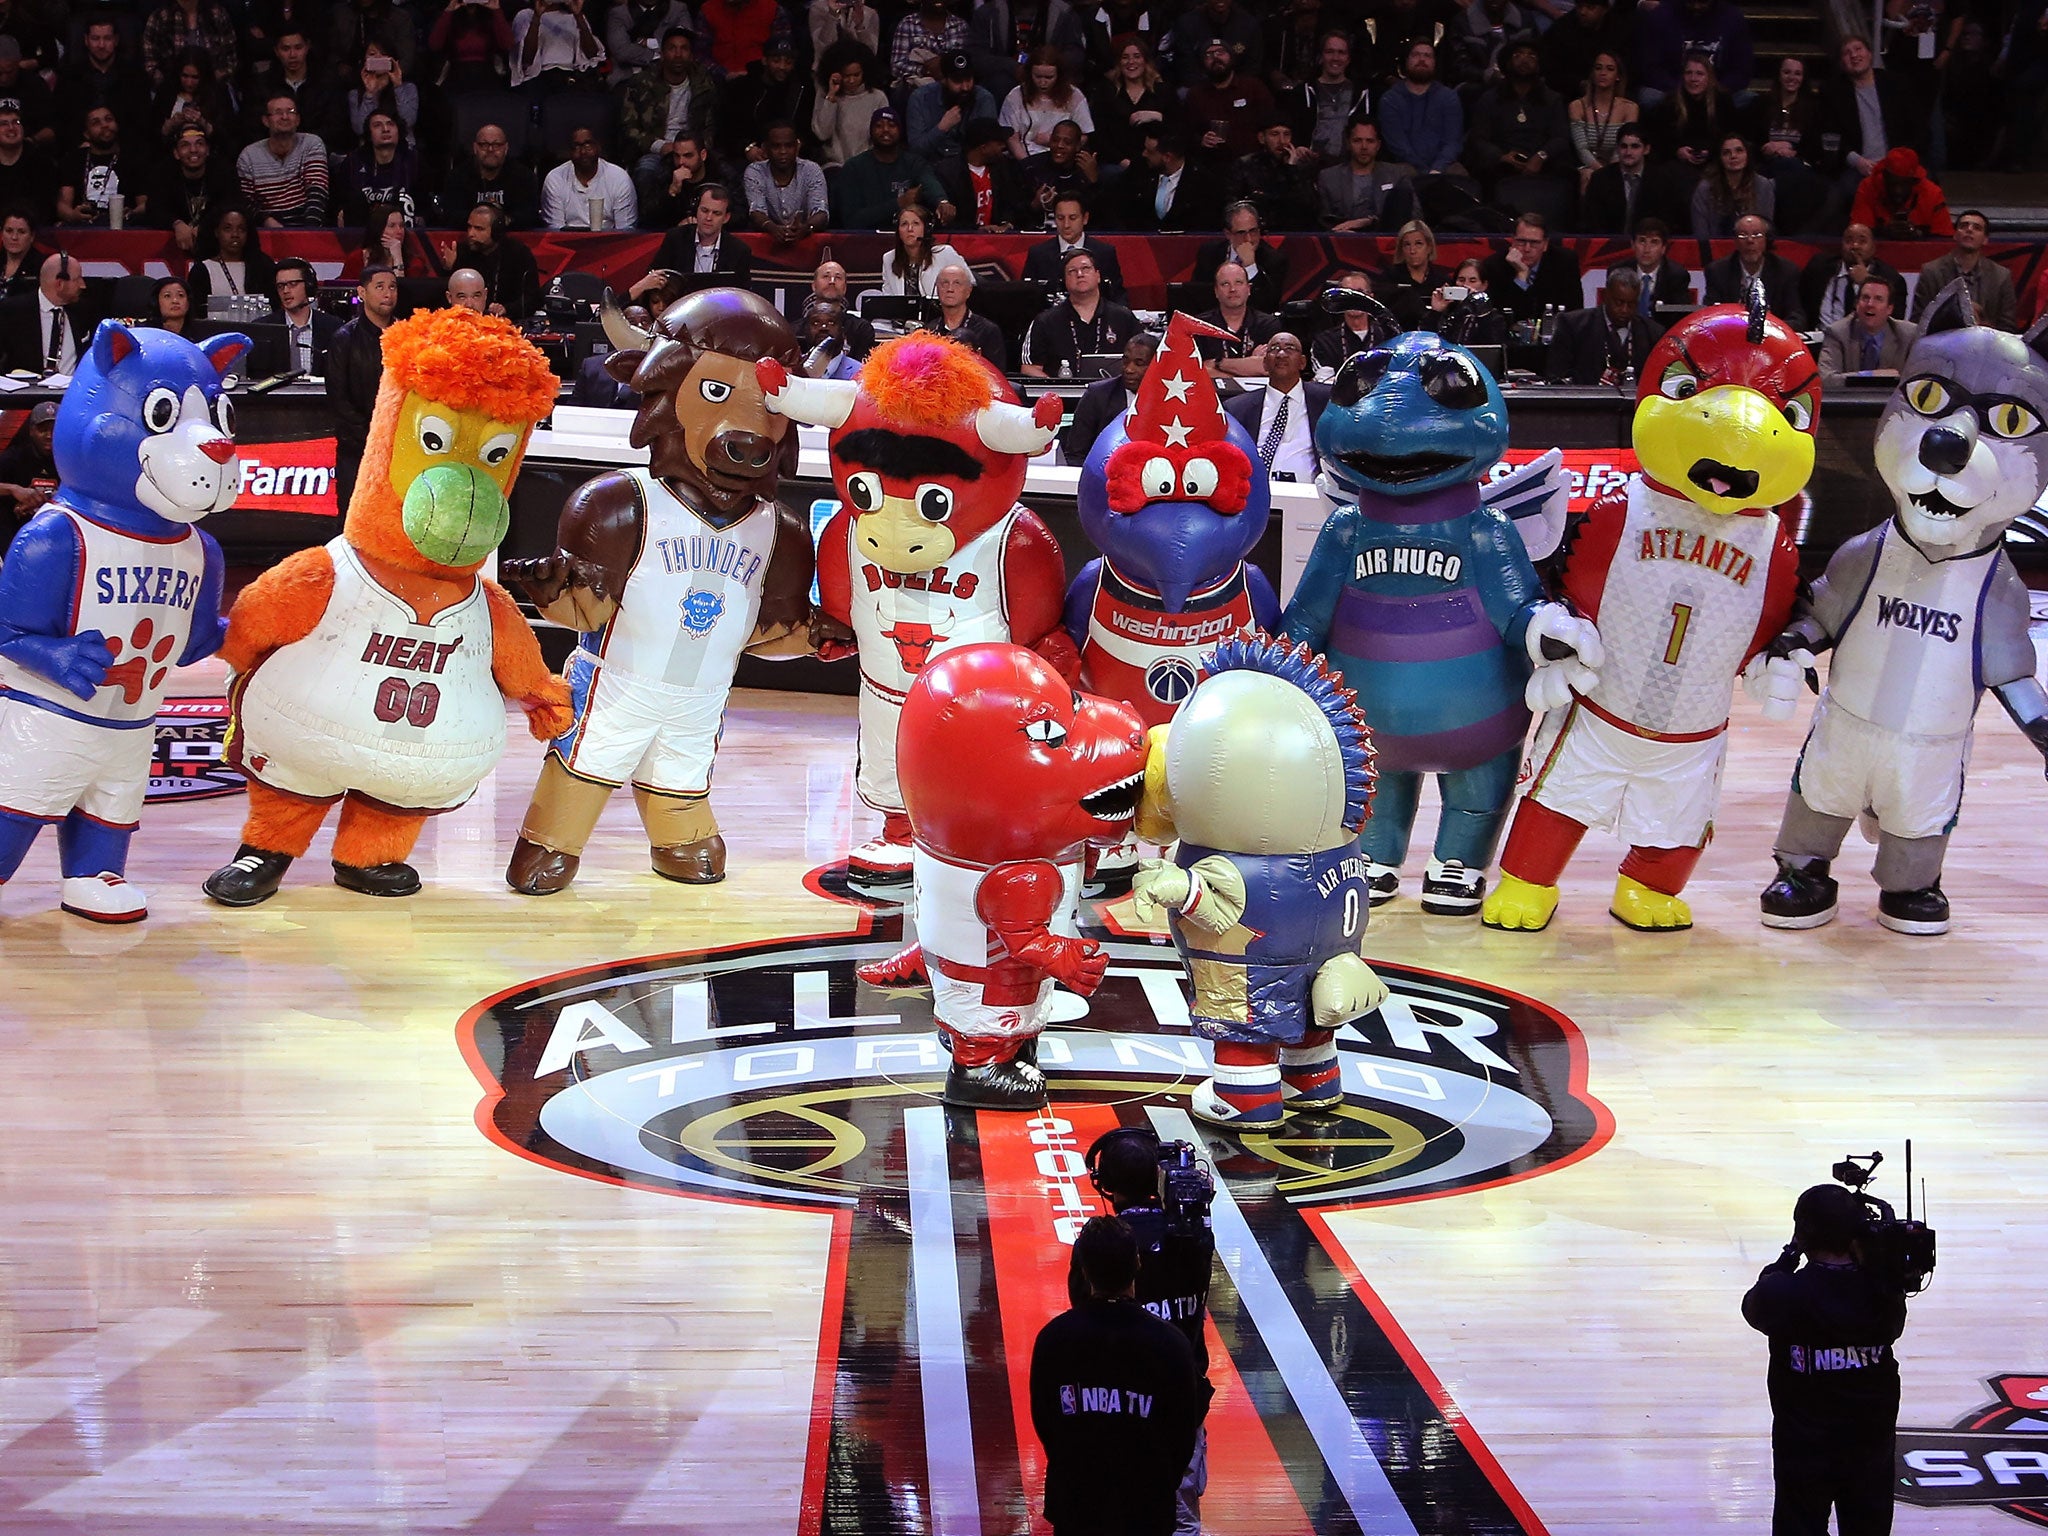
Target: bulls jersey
[[1683, 598], [376, 699], [1136, 651], [694, 593], [901, 621], [949, 924], [139, 593]]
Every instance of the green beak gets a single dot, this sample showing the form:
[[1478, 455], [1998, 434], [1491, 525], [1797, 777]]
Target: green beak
[[455, 514]]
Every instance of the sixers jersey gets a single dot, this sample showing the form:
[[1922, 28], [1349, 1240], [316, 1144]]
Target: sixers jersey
[[901, 621], [139, 593], [1148, 658]]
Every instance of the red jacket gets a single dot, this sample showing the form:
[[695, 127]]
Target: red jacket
[[1923, 206]]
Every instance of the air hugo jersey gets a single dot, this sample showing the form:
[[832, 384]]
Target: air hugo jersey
[[1139, 653], [138, 592], [692, 598], [900, 622]]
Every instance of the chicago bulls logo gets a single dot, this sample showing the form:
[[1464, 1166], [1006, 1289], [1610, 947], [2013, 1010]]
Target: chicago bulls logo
[[914, 643]]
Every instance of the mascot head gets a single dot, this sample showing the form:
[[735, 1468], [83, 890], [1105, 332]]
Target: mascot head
[[1962, 443], [1269, 755], [1000, 759], [1414, 414], [459, 398], [1726, 408], [146, 432], [1169, 493], [702, 415], [928, 445]]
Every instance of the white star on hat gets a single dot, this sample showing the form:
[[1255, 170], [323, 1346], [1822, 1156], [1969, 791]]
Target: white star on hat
[[1178, 386], [1177, 433]]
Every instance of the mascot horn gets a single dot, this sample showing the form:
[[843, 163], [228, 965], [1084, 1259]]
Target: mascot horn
[[1923, 613]]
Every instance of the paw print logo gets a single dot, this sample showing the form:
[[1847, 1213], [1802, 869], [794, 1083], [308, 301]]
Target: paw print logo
[[145, 665]]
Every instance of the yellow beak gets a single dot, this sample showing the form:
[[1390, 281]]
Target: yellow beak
[[1727, 448]]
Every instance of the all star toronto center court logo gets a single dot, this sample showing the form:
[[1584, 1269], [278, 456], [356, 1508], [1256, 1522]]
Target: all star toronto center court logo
[[1996, 1457], [769, 1073], [189, 757]]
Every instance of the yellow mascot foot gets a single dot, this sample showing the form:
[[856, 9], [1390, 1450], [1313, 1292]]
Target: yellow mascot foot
[[1518, 904], [1637, 906]]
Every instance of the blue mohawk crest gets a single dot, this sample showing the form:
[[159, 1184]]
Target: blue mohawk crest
[[1250, 650]]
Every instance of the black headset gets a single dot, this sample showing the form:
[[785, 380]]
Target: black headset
[[1108, 1139]]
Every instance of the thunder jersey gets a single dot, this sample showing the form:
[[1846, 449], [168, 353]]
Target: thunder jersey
[[139, 593], [694, 593], [900, 622], [1139, 653], [1909, 656]]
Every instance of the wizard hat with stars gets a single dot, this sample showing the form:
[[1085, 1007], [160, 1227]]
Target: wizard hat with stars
[[1178, 443]]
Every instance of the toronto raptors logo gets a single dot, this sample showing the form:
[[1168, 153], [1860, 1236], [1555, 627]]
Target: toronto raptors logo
[[771, 1074], [1995, 1457]]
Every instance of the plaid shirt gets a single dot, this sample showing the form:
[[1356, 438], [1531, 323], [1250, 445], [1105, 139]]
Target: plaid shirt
[[912, 35], [165, 36]]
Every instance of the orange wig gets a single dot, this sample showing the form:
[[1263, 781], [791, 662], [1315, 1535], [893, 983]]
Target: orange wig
[[472, 362], [926, 381]]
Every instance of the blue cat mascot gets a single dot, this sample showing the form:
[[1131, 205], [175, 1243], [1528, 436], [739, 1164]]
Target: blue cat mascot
[[103, 592], [1422, 594]]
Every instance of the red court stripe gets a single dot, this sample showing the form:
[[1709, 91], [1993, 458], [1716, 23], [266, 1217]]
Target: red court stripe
[[823, 1389], [1250, 1493]]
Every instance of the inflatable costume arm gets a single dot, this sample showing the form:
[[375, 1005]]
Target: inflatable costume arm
[[1345, 988], [1209, 894], [1313, 609], [832, 619], [1563, 649], [1034, 589], [44, 566], [783, 628], [1781, 590], [1822, 612], [282, 605], [597, 542], [1508, 584], [209, 629], [1081, 600], [519, 672], [2007, 661], [1265, 601], [1587, 553], [1017, 902]]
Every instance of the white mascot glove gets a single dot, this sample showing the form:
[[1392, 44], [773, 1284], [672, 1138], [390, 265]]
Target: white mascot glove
[[1553, 683], [1774, 682], [1157, 888]]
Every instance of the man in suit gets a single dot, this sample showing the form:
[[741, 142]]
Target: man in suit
[[595, 387], [1244, 242], [1605, 345], [1528, 279], [1728, 279], [1282, 417], [1621, 195], [1991, 289], [1664, 281], [1831, 281], [1070, 233], [47, 331], [355, 367], [1171, 194], [1869, 341], [698, 247], [1106, 399], [309, 332], [983, 183]]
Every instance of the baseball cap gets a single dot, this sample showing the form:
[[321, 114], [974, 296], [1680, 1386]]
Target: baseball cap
[[957, 66], [781, 45], [879, 113], [984, 130], [45, 412]]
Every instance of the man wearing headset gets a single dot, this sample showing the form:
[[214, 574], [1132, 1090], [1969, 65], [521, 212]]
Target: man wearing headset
[[45, 332], [1175, 1257]]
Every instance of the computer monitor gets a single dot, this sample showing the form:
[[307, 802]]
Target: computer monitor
[[269, 344], [1098, 365], [1492, 357]]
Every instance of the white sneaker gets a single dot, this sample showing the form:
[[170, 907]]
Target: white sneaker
[[1382, 883], [1449, 889], [880, 862], [104, 898]]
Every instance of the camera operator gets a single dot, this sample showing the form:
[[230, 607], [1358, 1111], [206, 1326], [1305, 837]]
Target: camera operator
[[1834, 1381], [1175, 1252], [1115, 1399]]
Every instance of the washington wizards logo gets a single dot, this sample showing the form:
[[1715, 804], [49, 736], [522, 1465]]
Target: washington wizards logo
[[1171, 679], [702, 610], [1996, 1457]]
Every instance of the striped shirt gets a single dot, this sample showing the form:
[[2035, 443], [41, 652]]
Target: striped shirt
[[292, 190]]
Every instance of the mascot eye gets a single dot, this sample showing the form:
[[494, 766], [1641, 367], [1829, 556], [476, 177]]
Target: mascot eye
[[224, 415], [160, 410], [1199, 480], [436, 435], [1158, 477], [1452, 382], [1359, 377], [864, 491], [1930, 397], [1679, 383], [499, 449], [2008, 418], [1799, 411], [717, 391], [1047, 733], [934, 503]]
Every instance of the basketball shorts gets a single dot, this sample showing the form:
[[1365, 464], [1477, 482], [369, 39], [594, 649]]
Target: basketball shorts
[[875, 777], [960, 1006], [1913, 784], [1651, 794], [51, 765], [631, 728]]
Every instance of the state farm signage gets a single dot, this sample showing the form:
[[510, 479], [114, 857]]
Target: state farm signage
[[288, 477], [1595, 472]]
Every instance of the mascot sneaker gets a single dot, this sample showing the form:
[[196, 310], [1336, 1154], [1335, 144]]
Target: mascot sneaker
[[880, 862], [394, 879], [253, 877], [538, 871], [1922, 911], [1382, 883], [1636, 906], [698, 863], [905, 969], [1801, 897], [1449, 889], [1207, 1103], [104, 898], [1517, 904], [1013, 1084]]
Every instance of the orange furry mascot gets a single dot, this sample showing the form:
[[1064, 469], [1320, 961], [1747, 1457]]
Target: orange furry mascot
[[370, 671]]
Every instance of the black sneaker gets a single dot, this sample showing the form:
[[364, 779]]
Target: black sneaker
[[1921, 911], [1014, 1084], [392, 879], [1382, 884], [253, 877], [1449, 889], [1801, 897]]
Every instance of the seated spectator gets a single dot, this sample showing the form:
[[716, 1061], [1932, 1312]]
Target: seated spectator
[[474, 40], [786, 193], [491, 175], [1599, 113], [1866, 341], [1830, 282], [170, 305], [955, 286], [1170, 193], [829, 282], [93, 175], [1405, 287], [1215, 21], [1519, 144], [821, 338], [360, 27], [1579, 37], [1244, 242], [772, 90], [1868, 111], [1323, 109], [1224, 109], [1620, 196], [885, 177], [507, 267], [845, 24], [322, 111], [384, 243], [1899, 200], [1243, 355], [382, 87], [1727, 280], [1716, 30], [1470, 319], [596, 389], [554, 49], [941, 109], [1421, 119], [1606, 344], [21, 263], [384, 170], [675, 198], [1991, 286], [633, 30], [1041, 102], [1664, 281], [735, 32], [926, 36], [100, 76], [1133, 100], [231, 258], [1786, 124], [177, 28], [1729, 189], [28, 471], [1278, 179], [1282, 417], [1352, 332], [1687, 126], [841, 117], [1529, 279], [1478, 35], [1064, 167], [1080, 325], [466, 290], [983, 182], [1365, 192], [1108, 398], [702, 246], [913, 266], [25, 171], [192, 99], [25, 322], [1000, 32], [659, 105], [283, 175], [22, 89], [190, 182], [1042, 263], [309, 330], [587, 191]]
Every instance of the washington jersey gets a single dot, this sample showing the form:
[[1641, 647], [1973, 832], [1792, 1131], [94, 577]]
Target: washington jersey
[[1136, 651], [902, 620], [139, 593], [1683, 598]]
